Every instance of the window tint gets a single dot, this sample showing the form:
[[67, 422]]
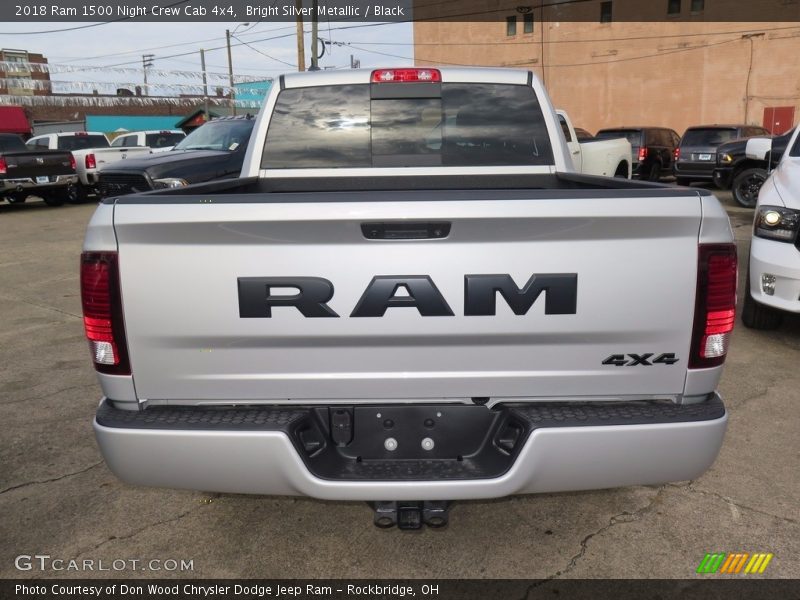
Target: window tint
[[673, 7], [634, 136], [564, 127], [81, 142], [708, 137], [228, 134], [676, 139], [120, 141], [12, 143], [469, 124], [162, 140], [698, 5]]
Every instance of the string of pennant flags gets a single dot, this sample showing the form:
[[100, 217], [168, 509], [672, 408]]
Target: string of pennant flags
[[103, 101], [32, 67], [112, 86]]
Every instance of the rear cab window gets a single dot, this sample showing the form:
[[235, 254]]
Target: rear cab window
[[406, 125], [709, 136], [82, 142], [163, 139]]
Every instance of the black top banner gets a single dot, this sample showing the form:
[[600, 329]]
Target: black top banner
[[603, 11]]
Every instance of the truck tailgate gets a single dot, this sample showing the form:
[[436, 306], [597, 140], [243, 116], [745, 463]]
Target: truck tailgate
[[633, 259]]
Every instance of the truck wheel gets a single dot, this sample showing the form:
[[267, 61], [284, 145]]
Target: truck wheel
[[758, 316], [655, 172], [622, 170], [746, 186], [71, 194], [52, 200]]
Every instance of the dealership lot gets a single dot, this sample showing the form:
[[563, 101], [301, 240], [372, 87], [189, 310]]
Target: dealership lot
[[59, 499]]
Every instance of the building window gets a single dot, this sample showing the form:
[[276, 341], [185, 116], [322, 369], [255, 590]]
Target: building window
[[673, 7], [527, 23], [698, 5], [511, 25], [605, 12]]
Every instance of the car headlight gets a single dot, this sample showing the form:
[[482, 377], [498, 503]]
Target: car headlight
[[169, 182], [777, 223], [725, 159]]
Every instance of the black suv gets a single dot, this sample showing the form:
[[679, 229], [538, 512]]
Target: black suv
[[652, 148], [696, 157]]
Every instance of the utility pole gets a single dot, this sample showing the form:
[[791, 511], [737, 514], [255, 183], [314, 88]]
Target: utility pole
[[205, 81], [147, 62], [301, 53], [230, 71], [314, 40]]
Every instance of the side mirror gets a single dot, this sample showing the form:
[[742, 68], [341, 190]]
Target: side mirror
[[758, 148]]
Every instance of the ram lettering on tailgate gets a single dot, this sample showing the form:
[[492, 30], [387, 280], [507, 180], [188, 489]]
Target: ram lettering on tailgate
[[256, 299]]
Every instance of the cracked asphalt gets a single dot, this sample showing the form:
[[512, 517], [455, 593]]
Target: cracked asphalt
[[58, 498]]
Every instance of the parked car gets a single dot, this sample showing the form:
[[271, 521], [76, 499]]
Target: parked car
[[743, 165], [91, 151], [696, 156], [773, 276], [49, 174], [157, 141], [213, 151], [652, 149], [607, 157]]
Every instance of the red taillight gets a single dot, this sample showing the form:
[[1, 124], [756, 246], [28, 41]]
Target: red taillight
[[72, 163], [90, 161], [102, 312], [676, 154], [406, 75], [715, 305], [3, 166], [642, 153]]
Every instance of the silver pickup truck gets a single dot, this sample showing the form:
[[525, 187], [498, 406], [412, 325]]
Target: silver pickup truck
[[409, 298]]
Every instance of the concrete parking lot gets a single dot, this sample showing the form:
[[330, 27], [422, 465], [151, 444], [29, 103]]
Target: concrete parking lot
[[58, 498]]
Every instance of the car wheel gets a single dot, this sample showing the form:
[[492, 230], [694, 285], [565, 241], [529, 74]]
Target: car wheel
[[756, 315], [52, 200], [655, 172], [746, 186], [683, 181]]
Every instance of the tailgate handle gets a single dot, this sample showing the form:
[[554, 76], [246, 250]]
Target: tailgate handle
[[406, 230]]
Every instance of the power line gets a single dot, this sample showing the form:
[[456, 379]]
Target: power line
[[264, 53]]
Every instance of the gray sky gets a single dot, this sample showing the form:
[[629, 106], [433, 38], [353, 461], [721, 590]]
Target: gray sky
[[121, 45]]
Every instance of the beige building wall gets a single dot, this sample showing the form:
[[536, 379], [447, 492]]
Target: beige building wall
[[675, 73]]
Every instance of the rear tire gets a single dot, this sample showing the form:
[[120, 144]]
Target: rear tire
[[622, 170], [72, 195], [746, 185], [52, 200], [756, 315]]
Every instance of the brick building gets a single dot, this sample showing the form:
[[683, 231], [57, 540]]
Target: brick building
[[19, 80], [671, 63]]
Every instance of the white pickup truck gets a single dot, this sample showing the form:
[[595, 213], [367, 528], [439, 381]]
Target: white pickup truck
[[607, 158], [156, 140], [91, 150], [373, 314]]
